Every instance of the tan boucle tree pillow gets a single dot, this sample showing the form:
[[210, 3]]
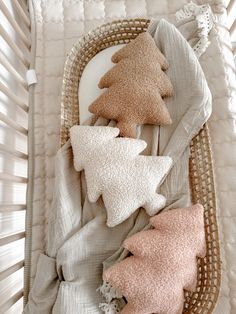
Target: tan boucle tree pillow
[[135, 87]]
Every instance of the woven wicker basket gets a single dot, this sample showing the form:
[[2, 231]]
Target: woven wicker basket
[[201, 170]]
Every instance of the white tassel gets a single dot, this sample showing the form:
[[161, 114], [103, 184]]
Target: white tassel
[[205, 21], [110, 308], [186, 12], [109, 292], [114, 299]]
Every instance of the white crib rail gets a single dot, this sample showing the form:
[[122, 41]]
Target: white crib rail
[[14, 62]]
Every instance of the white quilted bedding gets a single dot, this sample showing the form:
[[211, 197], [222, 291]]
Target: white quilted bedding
[[57, 24]]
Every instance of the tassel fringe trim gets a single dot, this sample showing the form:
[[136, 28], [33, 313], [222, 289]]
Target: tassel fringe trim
[[114, 299], [205, 21]]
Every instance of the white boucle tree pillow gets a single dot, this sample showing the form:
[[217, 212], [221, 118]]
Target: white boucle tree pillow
[[114, 169]]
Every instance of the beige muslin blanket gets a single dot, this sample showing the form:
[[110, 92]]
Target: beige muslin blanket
[[79, 244]]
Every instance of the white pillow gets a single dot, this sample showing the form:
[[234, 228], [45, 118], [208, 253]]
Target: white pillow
[[115, 169]]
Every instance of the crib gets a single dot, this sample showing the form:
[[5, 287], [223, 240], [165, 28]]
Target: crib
[[17, 88]]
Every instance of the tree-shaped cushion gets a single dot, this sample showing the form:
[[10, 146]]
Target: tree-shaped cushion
[[115, 170], [163, 263], [135, 87]]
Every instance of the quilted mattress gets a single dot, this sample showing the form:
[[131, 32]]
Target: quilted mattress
[[56, 26]]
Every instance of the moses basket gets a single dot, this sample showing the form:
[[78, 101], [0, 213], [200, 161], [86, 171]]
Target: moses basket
[[200, 164]]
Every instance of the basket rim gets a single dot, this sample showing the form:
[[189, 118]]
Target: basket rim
[[201, 179]]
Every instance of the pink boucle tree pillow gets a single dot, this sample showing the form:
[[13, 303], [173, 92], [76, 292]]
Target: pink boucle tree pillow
[[163, 264]]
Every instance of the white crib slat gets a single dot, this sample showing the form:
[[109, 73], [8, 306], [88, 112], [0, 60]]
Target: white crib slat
[[4, 89], [11, 238], [19, 53], [13, 124], [230, 6], [16, 308], [13, 192], [10, 286], [12, 71], [233, 28], [231, 22], [14, 24], [24, 5], [10, 302], [231, 11], [12, 178], [10, 270], [12, 207], [11, 254], [22, 12], [11, 151], [12, 165]]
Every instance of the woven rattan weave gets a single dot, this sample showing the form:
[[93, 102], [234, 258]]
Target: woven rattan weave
[[201, 169]]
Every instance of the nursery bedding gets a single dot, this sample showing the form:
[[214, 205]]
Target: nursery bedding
[[58, 24], [74, 223]]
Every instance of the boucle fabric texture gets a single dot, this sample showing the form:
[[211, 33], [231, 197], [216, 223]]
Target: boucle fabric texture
[[163, 263], [135, 86], [115, 170]]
